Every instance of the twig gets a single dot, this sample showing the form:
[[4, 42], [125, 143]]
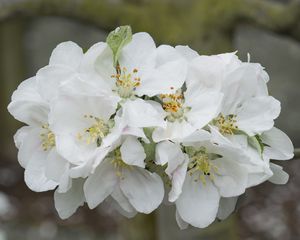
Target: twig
[[297, 153]]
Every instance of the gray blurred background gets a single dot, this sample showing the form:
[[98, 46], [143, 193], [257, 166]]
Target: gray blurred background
[[268, 30]]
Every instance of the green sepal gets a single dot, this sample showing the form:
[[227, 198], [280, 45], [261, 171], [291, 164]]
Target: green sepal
[[117, 39], [257, 142]]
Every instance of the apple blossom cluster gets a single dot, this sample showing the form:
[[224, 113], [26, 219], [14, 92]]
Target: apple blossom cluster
[[140, 125]]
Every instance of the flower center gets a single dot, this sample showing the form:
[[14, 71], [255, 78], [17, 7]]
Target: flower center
[[226, 124], [48, 138], [126, 82], [173, 105], [201, 162], [96, 132], [118, 163]]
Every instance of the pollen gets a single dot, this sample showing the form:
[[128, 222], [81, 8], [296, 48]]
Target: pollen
[[96, 132], [201, 163], [126, 82], [172, 102], [226, 124], [48, 138], [118, 163]]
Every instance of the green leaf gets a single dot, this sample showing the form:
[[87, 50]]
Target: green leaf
[[117, 39], [149, 147]]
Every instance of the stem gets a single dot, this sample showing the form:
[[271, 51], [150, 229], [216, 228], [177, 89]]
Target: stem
[[297, 153]]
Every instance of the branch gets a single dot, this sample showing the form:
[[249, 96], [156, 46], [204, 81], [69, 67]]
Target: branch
[[297, 153], [207, 24]]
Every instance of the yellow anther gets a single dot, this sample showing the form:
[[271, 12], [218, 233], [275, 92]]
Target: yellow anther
[[200, 163], [96, 132], [172, 103], [126, 83], [48, 138], [118, 163], [226, 124]]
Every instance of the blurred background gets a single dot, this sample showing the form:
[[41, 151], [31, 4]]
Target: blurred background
[[268, 29]]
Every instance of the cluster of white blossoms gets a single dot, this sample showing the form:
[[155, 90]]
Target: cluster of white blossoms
[[142, 125]]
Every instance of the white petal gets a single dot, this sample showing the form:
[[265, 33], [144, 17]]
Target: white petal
[[65, 183], [171, 153], [21, 135], [198, 204], [186, 52], [28, 112], [30, 144], [174, 131], [84, 168], [144, 190], [231, 178], [140, 113], [165, 79], [137, 132], [255, 120], [34, 175], [85, 84], [239, 86], [279, 144], [182, 224], [197, 136], [167, 53], [206, 71], [100, 185], [27, 105], [122, 200], [67, 54], [74, 150], [140, 52], [56, 166], [51, 77], [27, 91], [205, 105], [178, 178], [132, 152], [227, 206], [69, 112], [67, 203], [279, 176], [91, 56]]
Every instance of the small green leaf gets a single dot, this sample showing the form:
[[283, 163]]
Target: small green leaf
[[117, 39], [149, 147]]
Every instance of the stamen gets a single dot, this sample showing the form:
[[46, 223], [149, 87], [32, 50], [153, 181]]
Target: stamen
[[126, 83], [200, 162], [96, 132], [118, 163], [48, 138], [226, 124], [173, 105]]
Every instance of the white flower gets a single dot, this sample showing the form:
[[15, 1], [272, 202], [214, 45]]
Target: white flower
[[143, 69], [123, 176], [205, 173], [187, 112], [84, 129], [63, 65], [44, 168], [244, 88], [86, 125], [276, 145], [114, 122]]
